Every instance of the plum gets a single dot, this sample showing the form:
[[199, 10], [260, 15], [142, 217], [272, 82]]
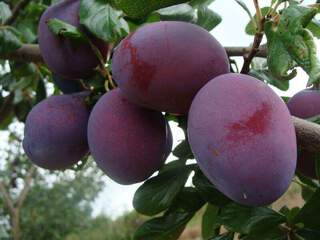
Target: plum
[[163, 65], [243, 139], [63, 56], [56, 131], [66, 85], [127, 142], [306, 104]]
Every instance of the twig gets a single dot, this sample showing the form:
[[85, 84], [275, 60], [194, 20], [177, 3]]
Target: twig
[[257, 39], [26, 188], [259, 15], [6, 197], [16, 10]]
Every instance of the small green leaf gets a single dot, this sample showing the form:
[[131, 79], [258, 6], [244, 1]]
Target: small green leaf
[[208, 191], [210, 225], [207, 18], [5, 12], [142, 8], [266, 76], [244, 6], [103, 20], [157, 193], [10, 39], [22, 109], [66, 30], [251, 27], [308, 213], [167, 227], [291, 44], [188, 199], [314, 27], [180, 12], [172, 223], [183, 151], [249, 219], [198, 3], [41, 92], [172, 165], [6, 108], [225, 236], [308, 234]]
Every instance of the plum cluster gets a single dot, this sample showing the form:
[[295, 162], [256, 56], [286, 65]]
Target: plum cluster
[[239, 130]]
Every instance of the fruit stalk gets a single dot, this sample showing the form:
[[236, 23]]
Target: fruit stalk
[[257, 39]]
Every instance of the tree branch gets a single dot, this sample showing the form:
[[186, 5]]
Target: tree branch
[[26, 188], [308, 134], [242, 51], [31, 53], [15, 12], [27, 53], [6, 198]]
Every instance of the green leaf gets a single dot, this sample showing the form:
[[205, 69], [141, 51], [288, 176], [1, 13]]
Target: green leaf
[[183, 151], [308, 213], [6, 108], [279, 59], [314, 27], [188, 199], [172, 165], [248, 219], [66, 30], [208, 191], [157, 193], [210, 225], [22, 109], [267, 77], [226, 236], [251, 27], [141, 8], [172, 223], [198, 3], [244, 6], [167, 227], [41, 92], [10, 39], [5, 12], [180, 12], [103, 20], [308, 234], [291, 44], [207, 18]]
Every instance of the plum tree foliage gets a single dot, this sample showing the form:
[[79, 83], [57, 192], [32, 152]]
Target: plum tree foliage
[[121, 70]]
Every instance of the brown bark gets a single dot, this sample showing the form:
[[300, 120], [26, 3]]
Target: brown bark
[[15, 224], [27, 53], [31, 53], [14, 208]]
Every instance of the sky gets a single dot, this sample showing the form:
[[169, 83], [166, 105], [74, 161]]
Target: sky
[[115, 199]]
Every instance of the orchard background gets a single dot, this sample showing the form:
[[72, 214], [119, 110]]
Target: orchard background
[[41, 204]]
